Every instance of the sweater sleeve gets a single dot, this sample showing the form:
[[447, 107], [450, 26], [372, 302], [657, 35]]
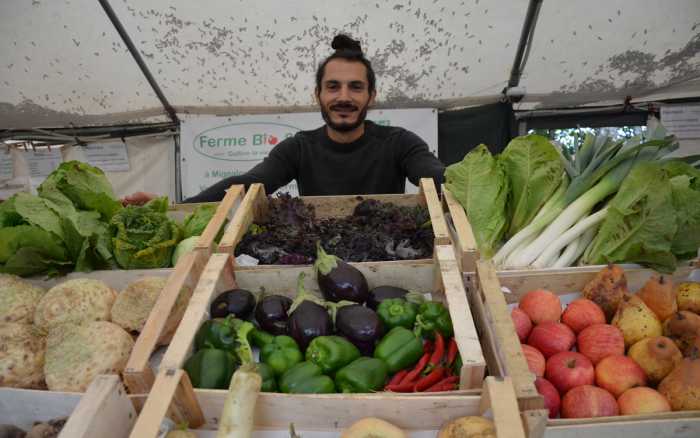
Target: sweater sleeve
[[417, 161], [276, 170]]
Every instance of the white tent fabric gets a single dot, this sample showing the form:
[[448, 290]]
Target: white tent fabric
[[64, 64]]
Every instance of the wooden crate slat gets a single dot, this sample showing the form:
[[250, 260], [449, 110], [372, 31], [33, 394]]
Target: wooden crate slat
[[253, 204], [464, 240], [498, 397], [437, 218], [233, 197]]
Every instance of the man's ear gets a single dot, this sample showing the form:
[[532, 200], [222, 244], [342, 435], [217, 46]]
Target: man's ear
[[371, 97]]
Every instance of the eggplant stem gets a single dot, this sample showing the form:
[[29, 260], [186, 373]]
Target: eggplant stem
[[304, 295], [325, 262]]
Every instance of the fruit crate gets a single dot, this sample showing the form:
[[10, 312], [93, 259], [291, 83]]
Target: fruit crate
[[441, 276], [490, 294], [104, 410], [255, 204], [138, 374]]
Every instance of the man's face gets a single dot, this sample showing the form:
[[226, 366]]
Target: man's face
[[344, 95]]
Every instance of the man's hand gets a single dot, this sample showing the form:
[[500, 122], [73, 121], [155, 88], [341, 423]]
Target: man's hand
[[138, 198]]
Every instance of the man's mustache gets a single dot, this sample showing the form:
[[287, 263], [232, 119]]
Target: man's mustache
[[344, 106]]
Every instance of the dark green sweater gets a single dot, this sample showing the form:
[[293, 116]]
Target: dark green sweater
[[378, 162]]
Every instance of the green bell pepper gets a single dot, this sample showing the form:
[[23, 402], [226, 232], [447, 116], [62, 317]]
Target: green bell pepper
[[281, 354], [260, 338], [365, 374], [211, 368], [306, 378], [269, 384], [331, 353], [432, 316], [397, 312], [229, 334], [399, 349]]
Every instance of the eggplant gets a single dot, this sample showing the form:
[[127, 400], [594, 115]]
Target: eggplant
[[238, 302], [360, 325], [381, 293], [308, 317], [272, 314], [338, 280]]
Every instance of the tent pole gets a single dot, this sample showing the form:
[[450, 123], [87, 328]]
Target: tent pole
[[528, 31], [139, 60]]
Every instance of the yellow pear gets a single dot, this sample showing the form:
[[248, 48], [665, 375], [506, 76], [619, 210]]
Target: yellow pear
[[659, 295], [657, 357], [688, 296], [635, 320]]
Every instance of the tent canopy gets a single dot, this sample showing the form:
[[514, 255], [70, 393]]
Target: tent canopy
[[64, 64]]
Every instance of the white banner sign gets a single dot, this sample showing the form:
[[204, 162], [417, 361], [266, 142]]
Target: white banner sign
[[7, 164], [110, 157], [213, 148], [683, 121], [41, 162]]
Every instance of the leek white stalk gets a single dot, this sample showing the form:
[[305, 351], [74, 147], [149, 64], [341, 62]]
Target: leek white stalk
[[574, 250], [237, 417], [513, 257]]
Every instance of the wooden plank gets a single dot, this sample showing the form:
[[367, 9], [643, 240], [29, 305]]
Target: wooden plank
[[508, 346], [186, 275], [437, 218], [245, 215], [465, 242], [217, 277], [687, 427], [104, 411], [467, 338], [223, 212], [173, 397], [23, 407], [498, 397]]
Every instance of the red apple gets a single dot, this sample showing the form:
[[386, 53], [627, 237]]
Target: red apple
[[599, 341], [541, 306], [617, 374], [569, 369], [552, 401], [581, 313], [535, 360], [640, 400], [522, 323], [551, 338], [588, 401]]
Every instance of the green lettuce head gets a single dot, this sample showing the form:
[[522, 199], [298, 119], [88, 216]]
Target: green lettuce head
[[144, 237], [195, 223]]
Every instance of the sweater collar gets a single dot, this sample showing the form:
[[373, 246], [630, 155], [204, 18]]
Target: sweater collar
[[347, 147]]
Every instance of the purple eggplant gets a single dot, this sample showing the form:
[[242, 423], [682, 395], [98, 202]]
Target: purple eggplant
[[272, 314], [360, 325], [238, 302], [338, 280], [308, 317], [381, 293]]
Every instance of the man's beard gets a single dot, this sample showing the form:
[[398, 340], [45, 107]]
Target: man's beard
[[344, 126]]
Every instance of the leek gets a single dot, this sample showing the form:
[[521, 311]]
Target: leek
[[574, 250]]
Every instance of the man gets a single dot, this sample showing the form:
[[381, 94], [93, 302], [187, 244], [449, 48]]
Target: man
[[348, 155]]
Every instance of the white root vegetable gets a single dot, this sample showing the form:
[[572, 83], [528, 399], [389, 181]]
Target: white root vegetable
[[237, 417]]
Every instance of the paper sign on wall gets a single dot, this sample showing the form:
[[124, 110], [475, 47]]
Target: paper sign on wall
[[683, 121], [6, 164], [41, 162], [213, 148], [110, 157]]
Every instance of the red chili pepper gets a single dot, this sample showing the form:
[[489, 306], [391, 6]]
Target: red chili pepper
[[439, 349], [446, 382], [441, 387], [397, 377], [427, 346], [401, 387], [415, 372], [452, 352], [429, 380]]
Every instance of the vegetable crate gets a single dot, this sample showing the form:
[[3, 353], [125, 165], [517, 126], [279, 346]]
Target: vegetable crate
[[255, 204], [489, 301], [103, 411], [441, 276]]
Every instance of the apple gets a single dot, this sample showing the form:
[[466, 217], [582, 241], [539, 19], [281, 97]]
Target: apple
[[552, 401], [657, 356], [599, 341], [617, 374], [582, 313], [522, 323], [535, 360], [588, 401], [641, 400], [569, 369], [551, 338], [541, 306]]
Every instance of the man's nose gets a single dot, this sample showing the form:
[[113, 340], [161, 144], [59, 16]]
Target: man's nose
[[344, 93]]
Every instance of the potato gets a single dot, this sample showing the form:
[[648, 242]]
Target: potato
[[22, 349], [468, 427], [18, 299], [75, 301], [372, 427]]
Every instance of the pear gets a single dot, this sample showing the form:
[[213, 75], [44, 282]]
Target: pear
[[607, 289], [683, 328], [688, 296], [657, 356], [682, 386], [659, 295], [635, 320]]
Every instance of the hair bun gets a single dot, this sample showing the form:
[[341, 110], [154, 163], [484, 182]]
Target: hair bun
[[344, 42]]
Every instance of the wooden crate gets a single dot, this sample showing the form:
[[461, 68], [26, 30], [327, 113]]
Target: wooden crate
[[255, 204], [104, 410], [502, 349], [440, 276], [326, 415]]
